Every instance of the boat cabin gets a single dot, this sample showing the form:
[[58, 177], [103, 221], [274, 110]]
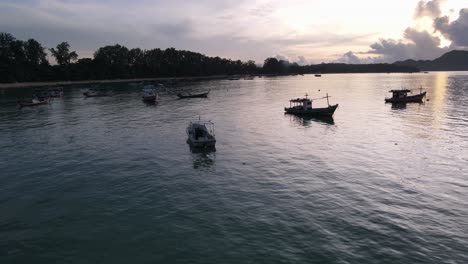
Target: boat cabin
[[201, 134], [201, 129], [148, 92], [301, 103], [403, 93]]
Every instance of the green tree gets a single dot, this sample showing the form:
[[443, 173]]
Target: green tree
[[62, 54], [35, 53], [272, 65]]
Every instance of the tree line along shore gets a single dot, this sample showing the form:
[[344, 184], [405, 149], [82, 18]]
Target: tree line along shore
[[28, 62]]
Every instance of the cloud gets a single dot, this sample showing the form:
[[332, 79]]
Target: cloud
[[428, 8], [456, 31], [414, 45], [301, 60], [350, 58], [282, 58]]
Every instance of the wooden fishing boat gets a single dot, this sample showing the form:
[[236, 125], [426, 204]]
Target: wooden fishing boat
[[401, 96], [189, 95], [33, 102], [201, 134], [303, 106]]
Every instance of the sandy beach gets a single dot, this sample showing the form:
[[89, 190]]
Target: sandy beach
[[66, 83]]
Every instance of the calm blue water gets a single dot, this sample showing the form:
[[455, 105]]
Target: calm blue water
[[112, 180]]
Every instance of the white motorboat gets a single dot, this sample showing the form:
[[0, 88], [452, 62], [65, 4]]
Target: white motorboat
[[149, 94], [201, 134]]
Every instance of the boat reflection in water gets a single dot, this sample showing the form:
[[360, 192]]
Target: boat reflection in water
[[306, 120], [399, 106], [203, 158]]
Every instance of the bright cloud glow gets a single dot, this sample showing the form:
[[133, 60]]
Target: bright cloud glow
[[301, 30]]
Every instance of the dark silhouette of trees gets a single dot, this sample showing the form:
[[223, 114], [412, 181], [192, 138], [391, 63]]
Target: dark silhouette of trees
[[35, 53], [62, 54], [22, 61]]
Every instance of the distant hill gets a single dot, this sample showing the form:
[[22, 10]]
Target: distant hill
[[455, 60]]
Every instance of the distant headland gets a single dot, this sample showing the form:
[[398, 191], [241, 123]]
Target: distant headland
[[455, 60], [27, 61]]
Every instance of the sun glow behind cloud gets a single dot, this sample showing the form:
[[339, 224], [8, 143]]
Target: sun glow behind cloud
[[240, 29]]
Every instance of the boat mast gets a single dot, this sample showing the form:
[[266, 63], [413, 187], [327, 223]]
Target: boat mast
[[327, 100]]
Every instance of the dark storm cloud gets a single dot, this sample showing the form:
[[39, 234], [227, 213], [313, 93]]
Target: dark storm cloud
[[428, 8], [456, 31], [420, 45], [416, 45]]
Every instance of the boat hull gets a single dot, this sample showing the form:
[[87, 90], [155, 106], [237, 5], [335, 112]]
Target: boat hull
[[95, 95], [149, 99], [201, 143], [409, 99], [29, 103], [326, 111], [181, 96]]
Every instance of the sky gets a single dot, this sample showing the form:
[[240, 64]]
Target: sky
[[302, 31]]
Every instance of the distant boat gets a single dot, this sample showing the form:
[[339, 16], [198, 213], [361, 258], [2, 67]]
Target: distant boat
[[149, 95], [33, 102], [201, 134], [303, 106], [426, 72], [97, 93], [53, 92], [401, 96], [56, 92], [189, 95], [318, 75]]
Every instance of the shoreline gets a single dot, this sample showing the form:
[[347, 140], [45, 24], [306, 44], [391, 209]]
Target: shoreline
[[68, 83], [162, 79]]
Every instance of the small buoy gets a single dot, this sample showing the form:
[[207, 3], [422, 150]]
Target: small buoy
[[396, 144], [243, 163], [319, 90]]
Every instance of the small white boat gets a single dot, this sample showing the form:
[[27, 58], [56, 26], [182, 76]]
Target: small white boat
[[94, 92], [201, 134], [149, 95]]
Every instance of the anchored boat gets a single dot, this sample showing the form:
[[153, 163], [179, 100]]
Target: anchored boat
[[189, 95], [401, 96], [149, 95], [54, 92], [33, 102], [97, 93], [303, 106], [201, 134]]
